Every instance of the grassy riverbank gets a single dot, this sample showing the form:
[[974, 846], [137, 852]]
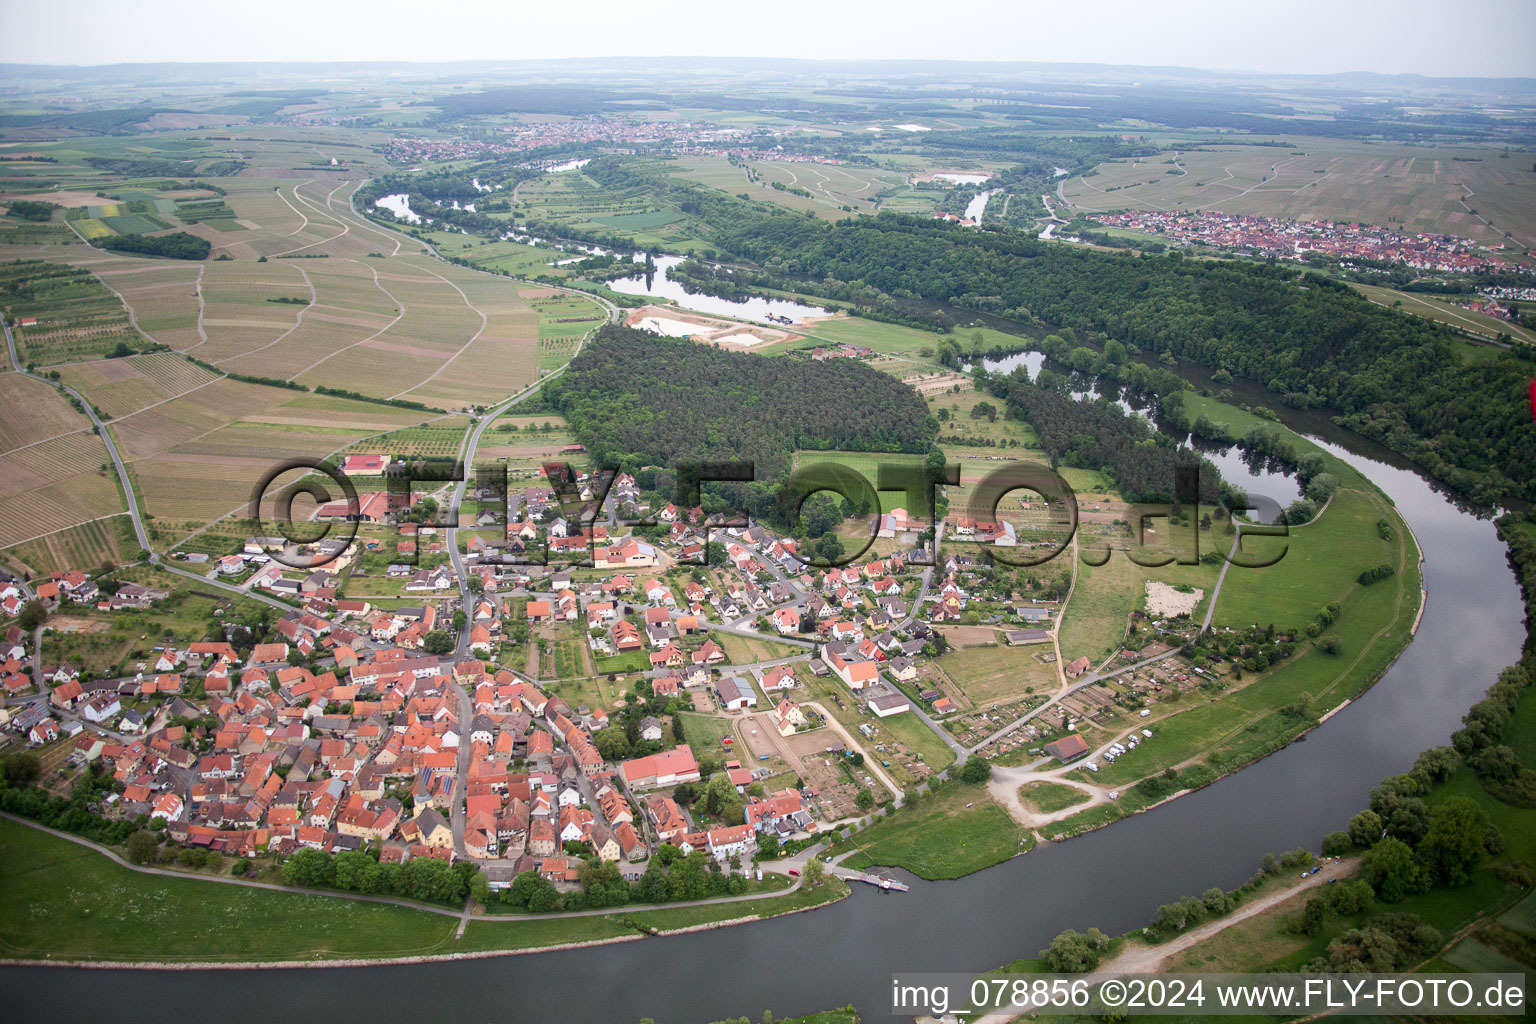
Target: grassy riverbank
[[951, 833], [1322, 564], [1203, 737], [63, 901]]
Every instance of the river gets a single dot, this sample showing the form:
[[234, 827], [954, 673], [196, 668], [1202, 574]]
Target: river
[[977, 207], [1113, 878], [1268, 488]]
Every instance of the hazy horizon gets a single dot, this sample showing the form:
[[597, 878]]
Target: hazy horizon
[[1309, 37]]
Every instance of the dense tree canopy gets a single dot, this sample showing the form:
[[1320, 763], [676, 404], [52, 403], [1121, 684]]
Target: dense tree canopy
[[1101, 435], [635, 399], [178, 245]]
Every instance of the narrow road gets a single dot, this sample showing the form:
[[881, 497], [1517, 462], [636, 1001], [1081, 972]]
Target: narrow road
[[101, 431], [870, 763], [132, 500], [1221, 577]]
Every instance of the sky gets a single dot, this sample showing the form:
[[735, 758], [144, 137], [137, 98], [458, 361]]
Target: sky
[[1483, 38]]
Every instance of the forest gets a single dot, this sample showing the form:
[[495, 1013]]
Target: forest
[[1100, 435], [636, 399], [1312, 341]]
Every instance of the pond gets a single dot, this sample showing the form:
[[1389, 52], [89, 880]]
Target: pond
[[759, 309]]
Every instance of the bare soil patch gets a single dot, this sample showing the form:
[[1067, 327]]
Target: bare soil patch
[[970, 636], [1164, 601], [66, 624], [117, 370]]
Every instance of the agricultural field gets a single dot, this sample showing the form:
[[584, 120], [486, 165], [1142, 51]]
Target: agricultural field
[[573, 198], [120, 387], [992, 675], [515, 258], [91, 545], [831, 187], [1413, 188], [54, 484], [564, 319], [31, 411], [196, 457], [16, 231], [1432, 307], [77, 317], [369, 317]]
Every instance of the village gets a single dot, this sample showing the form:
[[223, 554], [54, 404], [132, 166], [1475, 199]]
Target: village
[[1297, 240], [626, 695]]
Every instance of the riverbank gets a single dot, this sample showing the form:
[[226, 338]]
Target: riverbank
[[1209, 735], [63, 903]]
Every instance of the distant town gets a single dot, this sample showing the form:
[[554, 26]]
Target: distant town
[[1297, 240]]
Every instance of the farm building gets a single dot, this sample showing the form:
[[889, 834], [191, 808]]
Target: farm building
[[1068, 748]]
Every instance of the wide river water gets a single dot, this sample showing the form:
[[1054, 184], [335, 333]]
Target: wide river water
[[1113, 879]]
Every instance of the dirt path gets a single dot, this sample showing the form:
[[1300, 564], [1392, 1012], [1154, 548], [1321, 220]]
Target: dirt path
[[202, 307], [298, 321], [304, 221], [398, 317], [1150, 959], [345, 228], [1004, 788]]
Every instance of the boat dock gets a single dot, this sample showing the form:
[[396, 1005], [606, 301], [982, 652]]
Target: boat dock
[[885, 884]]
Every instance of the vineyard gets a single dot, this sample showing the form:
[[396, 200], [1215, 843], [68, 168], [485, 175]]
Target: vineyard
[[564, 319], [53, 485], [31, 411], [119, 387], [87, 546]]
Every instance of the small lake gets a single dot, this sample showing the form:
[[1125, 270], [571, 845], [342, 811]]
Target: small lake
[[569, 165], [659, 286], [960, 178], [1270, 488], [399, 204], [1031, 361]]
